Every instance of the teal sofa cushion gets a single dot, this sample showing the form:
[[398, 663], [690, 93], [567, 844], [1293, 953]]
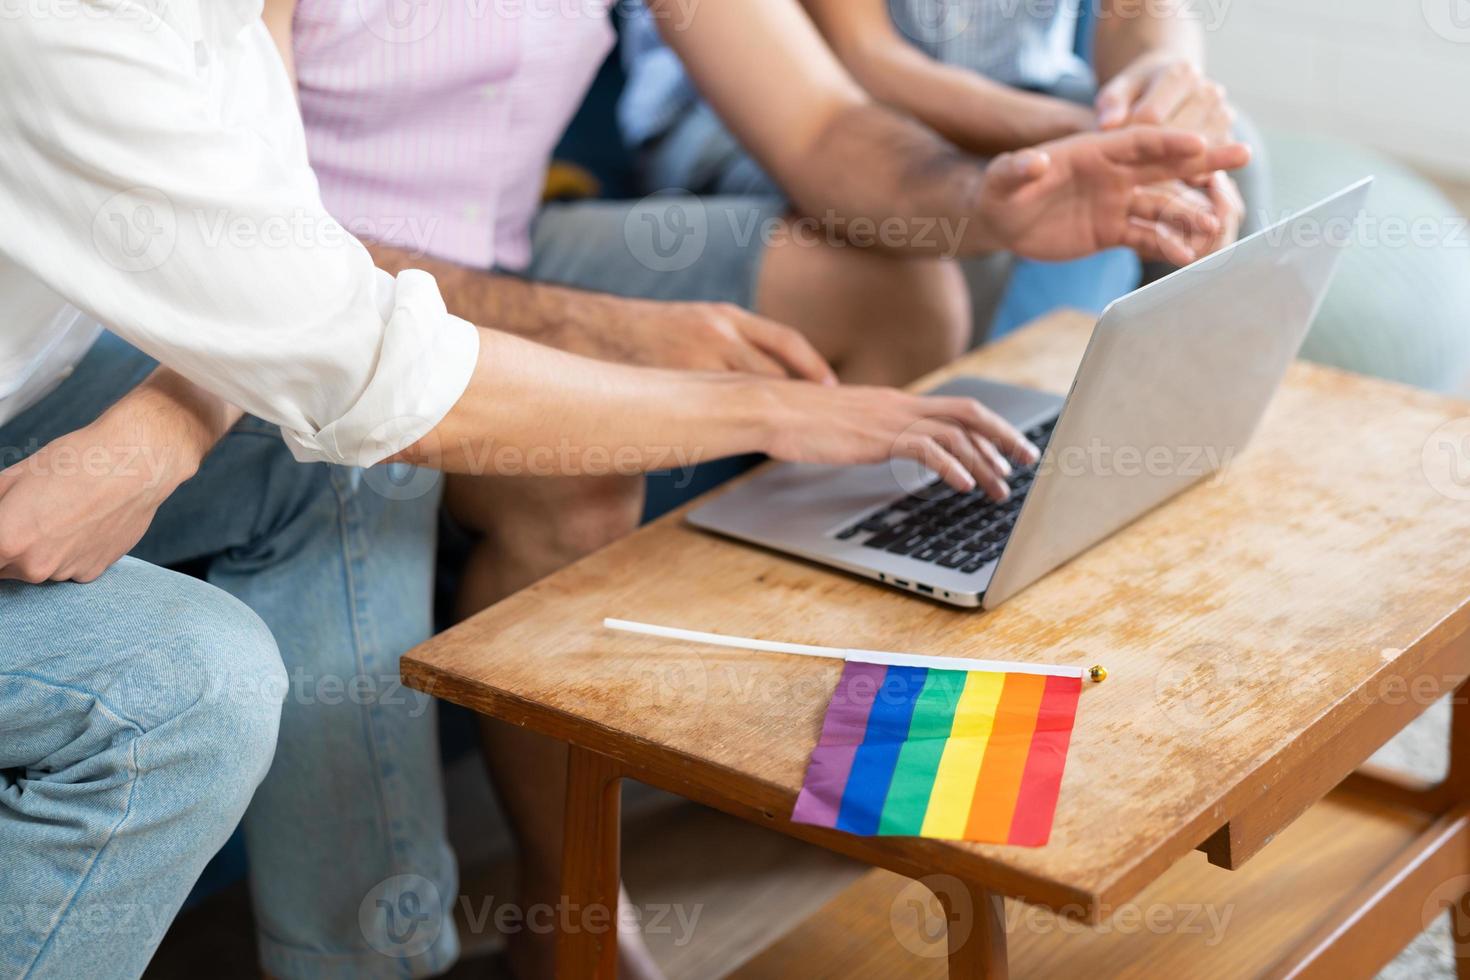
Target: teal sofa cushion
[[1400, 305]]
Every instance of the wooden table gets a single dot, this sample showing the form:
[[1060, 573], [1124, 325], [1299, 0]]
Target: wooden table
[[1265, 632]]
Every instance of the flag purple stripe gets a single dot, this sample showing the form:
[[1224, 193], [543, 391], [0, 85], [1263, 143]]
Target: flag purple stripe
[[842, 733]]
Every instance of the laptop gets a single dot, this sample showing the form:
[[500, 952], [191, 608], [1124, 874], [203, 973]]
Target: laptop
[[1173, 383]]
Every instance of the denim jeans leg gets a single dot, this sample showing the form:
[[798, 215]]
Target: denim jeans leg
[[350, 865], [351, 872], [138, 713]]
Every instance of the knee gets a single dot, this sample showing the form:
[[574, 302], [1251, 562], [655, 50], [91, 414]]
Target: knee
[[927, 321], [941, 303], [563, 517], [599, 512], [231, 684]]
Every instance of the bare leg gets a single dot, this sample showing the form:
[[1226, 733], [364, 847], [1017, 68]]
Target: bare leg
[[877, 318], [531, 528], [880, 320]]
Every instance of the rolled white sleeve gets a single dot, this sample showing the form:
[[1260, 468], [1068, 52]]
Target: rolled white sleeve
[[153, 175]]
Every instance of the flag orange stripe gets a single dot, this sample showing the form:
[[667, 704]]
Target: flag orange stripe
[[999, 784]]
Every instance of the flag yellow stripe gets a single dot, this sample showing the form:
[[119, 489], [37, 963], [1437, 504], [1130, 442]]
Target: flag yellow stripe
[[959, 767]]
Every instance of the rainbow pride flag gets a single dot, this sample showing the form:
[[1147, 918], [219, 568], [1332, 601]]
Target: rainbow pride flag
[[953, 754]]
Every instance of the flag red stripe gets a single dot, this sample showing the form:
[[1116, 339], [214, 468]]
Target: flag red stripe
[[1042, 779]]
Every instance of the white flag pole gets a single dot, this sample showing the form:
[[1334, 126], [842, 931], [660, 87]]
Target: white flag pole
[[879, 657]]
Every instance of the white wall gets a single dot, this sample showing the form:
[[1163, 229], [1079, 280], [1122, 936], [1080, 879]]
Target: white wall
[[1392, 73]]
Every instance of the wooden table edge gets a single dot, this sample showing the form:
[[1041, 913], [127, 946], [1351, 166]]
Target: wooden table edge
[[758, 801]]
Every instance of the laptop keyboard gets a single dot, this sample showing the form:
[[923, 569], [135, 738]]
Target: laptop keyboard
[[963, 531]]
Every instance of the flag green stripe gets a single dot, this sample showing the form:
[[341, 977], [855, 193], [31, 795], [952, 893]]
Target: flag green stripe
[[918, 759]]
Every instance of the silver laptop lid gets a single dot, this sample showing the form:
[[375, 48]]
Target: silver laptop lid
[[1174, 381]]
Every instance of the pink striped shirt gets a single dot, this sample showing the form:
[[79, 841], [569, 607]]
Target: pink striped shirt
[[430, 123]]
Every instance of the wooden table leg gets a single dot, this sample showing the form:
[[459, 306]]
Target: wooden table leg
[[1458, 784], [979, 951], [587, 943]]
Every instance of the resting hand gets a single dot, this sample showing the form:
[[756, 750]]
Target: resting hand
[[81, 502], [1166, 91], [704, 337], [1071, 198]]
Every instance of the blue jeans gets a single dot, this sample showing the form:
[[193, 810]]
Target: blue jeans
[[138, 714]]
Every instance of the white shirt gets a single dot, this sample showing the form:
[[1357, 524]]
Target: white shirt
[[154, 180]]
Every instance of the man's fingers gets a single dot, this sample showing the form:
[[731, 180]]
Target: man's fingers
[[925, 449], [1167, 91], [1115, 101], [1154, 241], [749, 360], [958, 441], [1224, 190], [986, 423], [1010, 172], [998, 463], [1228, 156], [1152, 146], [1179, 207], [789, 348], [1158, 155]]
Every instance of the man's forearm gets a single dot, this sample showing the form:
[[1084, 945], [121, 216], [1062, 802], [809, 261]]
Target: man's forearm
[[534, 411], [982, 116], [553, 315], [972, 111], [1130, 29], [881, 179], [174, 419]]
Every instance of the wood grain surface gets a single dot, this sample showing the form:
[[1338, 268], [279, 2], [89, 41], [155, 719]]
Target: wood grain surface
[[1247, 625], [1196, 921]]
